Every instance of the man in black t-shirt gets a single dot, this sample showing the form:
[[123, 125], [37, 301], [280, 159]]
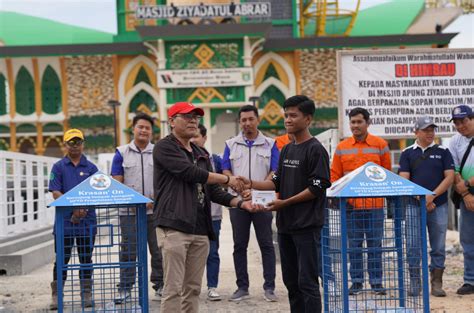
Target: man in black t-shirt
[[301, 179]]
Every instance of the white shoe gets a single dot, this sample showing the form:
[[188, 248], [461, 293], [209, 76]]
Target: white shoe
[[213, 295], [122, 297]]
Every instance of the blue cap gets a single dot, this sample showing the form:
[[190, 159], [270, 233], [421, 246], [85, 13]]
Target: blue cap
[[424, 122], [461, 111]]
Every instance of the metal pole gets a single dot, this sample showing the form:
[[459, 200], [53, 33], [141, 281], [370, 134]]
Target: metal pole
[[114, 104]]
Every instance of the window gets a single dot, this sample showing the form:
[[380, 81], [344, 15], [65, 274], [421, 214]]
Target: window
[[24, 92], [4, 103], [51, 91], [142, 77], [143, 97]]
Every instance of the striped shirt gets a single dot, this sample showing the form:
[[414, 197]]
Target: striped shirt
[[351, 154]]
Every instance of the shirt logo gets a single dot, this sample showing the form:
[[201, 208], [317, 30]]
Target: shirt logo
[[100, 182], [375, 173]]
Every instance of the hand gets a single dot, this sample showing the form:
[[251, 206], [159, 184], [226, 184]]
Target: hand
[[469, 202], [246, 182], [246, 194], [253, 208], [235, 183], [460, 187], [247, 205], [276, 205], [77, 214], [149, 205], [430, 205]]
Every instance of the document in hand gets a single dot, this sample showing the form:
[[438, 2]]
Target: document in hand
[[263, 197]]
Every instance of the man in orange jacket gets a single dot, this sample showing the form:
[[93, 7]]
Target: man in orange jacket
[[365, 217]]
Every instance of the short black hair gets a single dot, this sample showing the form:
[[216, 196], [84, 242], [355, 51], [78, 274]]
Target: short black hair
[[248, 108], [303, 103], [357, 111], [202, 130], [142, 116]]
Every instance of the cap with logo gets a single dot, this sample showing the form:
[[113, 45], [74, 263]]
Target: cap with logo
[[424, 122], [73, 133], [461, 111], [184, 108]]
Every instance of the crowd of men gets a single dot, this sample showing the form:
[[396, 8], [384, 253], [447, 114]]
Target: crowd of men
[[189, 186]]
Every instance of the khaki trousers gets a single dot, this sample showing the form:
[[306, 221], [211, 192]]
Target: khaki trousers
[[184, 259]]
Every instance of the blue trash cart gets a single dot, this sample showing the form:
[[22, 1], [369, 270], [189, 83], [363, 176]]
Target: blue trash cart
[[374, 237], [90, 250]]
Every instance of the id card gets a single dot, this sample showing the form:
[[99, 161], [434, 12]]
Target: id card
[[263, 197]]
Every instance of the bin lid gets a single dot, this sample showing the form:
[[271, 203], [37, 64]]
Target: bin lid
[[99, 189], [373, 180]]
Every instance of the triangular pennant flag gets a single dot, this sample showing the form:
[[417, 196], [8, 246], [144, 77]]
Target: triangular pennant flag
[[99, 189], [372, 180]]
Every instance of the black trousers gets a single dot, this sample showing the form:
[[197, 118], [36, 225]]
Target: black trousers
[[85, 246], [299, 266], [262, 223]]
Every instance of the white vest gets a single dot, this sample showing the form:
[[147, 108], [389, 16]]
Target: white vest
[[138, 171], [253, 163]]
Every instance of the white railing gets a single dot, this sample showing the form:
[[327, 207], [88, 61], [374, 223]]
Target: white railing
[[329, 139], [24, 193]]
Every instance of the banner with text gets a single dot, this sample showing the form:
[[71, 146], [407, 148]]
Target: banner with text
[[249, 9], [397, 87], [215, 77]]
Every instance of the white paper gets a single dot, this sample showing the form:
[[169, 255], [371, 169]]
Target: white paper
[[263, 197]]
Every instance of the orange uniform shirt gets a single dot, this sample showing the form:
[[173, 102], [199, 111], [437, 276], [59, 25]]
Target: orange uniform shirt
[[282, 140], [351, 154]]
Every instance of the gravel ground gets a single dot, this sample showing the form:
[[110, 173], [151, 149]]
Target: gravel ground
[[31, 293]]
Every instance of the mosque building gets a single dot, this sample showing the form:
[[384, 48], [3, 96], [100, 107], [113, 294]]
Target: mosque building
[[219, 55]]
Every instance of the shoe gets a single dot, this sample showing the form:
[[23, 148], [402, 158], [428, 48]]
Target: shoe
[[53, 306], [378, 289], [122, 297], [355, 289], [158, 294], [269, 296], [466, 289], [415, 287], [213, 295], [437, 283], [239, 295]]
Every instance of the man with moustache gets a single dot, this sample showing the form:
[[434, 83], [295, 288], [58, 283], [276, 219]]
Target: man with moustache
[[79, 228], [184, 188]]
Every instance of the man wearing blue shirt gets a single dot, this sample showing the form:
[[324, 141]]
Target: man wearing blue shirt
[[430, 166], [252, 155], [66, 174]]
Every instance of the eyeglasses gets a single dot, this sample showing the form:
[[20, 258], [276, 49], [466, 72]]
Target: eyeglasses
[[189, 116], [74, 143]]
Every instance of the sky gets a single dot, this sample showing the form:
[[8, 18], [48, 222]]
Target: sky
[[100, 15]]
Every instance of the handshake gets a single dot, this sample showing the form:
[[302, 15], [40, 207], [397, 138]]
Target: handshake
[[239, 184], [243, 186]]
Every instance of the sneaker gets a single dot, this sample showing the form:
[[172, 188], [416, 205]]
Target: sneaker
[[213, 295], [378, 289], [122, 297], [466, 289], [239, 295], [355, 289], [269, 296], [158, 294]]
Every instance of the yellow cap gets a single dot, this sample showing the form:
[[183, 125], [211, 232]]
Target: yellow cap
[[73, 133]]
